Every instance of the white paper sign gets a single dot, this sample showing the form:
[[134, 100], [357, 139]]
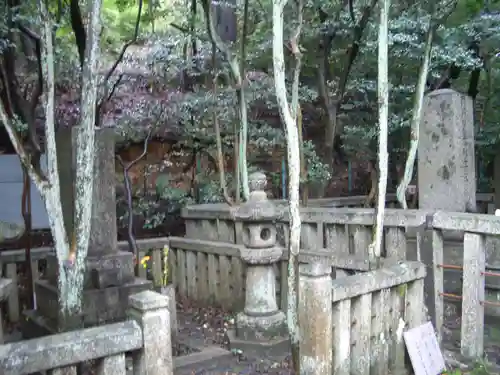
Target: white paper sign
[[423, 348]]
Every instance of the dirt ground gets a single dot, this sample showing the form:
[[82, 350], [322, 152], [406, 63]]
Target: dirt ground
[[210, 325]]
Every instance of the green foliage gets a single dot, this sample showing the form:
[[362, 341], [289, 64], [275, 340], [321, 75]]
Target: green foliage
[[192, 111], [479, 368], [317, 172]]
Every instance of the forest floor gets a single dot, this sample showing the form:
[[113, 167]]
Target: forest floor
[[451, 339], [209, 324]]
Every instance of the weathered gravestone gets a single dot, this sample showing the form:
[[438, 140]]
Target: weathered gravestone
[[446, 163], [109, 277], [447, 181], [446, 170]]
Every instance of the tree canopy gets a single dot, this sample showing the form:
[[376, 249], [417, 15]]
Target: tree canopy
[[167, 75]]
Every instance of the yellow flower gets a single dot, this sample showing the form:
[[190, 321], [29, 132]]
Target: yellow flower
[[144, 261]]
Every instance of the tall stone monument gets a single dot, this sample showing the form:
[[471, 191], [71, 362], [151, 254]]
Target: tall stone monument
[[446, 169], [109, 277], [446, 162]]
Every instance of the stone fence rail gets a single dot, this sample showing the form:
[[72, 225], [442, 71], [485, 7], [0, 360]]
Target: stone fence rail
[[146, 336], [367, 312]]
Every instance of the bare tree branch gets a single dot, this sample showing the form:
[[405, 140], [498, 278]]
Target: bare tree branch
[[39, 180], [189, 32], [128, 189], [107, 92]]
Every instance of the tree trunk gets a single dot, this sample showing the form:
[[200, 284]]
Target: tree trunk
[[417, 115], [71, 258], [289, 116], [383, 100], [370, 198], [239, 84]]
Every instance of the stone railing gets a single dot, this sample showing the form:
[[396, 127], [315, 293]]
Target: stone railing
[[146, 336], [326, 228], [458, 265], [480, 291], [213, 272], [207, 265], [362, 317]]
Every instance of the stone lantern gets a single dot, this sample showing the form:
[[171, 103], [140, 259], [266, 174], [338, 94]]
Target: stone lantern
[[261, 326]]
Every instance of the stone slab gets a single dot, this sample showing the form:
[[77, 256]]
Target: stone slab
[[103, 271], [203, 357], [278, 348], [99, 305]]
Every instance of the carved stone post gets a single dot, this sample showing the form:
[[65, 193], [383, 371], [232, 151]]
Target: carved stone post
[[315, 319], [5, 289], [261, 327], [150, 310], [492, 283]]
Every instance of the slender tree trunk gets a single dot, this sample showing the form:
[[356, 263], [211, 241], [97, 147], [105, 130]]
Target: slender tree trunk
[[289, 116], [218, 138], [417, 115], [50, 193], [238, 79], [71, 259], [85, 157], [303, 166], [28, 221], [383, 100]]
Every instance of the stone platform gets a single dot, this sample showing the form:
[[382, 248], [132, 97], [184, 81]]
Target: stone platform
[[277, 348], [103, 270], [99, 306]]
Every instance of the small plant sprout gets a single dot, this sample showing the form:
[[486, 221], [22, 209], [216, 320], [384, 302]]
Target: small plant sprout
[[165, 266]]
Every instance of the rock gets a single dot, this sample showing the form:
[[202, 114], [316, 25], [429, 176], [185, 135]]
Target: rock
[[5, 289]]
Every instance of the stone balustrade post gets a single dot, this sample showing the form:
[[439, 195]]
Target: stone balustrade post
[[261, 327], [150, 310], [492, 283], [315, 319], [492, 243], [5, 289]]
